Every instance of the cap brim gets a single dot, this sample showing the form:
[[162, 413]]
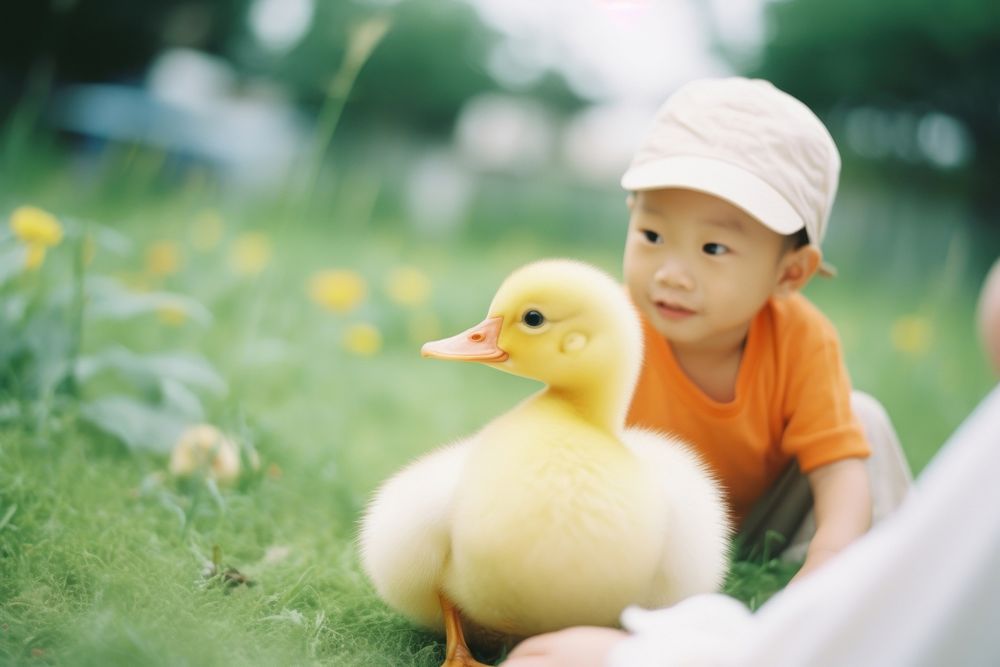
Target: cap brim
[[721, 179]]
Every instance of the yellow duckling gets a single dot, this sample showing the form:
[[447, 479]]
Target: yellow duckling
[[554, 514]]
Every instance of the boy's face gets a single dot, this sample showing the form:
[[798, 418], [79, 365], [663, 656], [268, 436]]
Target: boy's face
[[698, 268]]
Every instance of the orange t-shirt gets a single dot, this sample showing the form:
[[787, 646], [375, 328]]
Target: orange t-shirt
[[792, 401]]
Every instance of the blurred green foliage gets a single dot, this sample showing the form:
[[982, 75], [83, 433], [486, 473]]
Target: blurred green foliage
[[432, 60], [49, 307], [917, 55], [107, 40], [425, 68]]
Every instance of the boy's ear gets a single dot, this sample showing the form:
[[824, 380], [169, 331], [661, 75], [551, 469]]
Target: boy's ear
[[630, 200], [797, 268]]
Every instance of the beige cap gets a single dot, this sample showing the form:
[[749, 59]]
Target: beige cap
[[747, 142]]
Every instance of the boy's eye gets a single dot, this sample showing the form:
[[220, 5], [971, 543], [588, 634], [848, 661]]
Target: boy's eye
[[714, 249], [651, 236]]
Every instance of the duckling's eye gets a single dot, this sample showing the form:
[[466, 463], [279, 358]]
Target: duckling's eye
[[714, 249], [533, 318]]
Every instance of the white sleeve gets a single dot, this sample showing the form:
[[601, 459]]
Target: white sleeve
[[700, 631], [922, 588]]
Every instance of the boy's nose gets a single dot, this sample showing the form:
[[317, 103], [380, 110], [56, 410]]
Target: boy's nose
[[673, 274]]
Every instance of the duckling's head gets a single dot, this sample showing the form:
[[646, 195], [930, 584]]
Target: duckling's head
[[563, 322]]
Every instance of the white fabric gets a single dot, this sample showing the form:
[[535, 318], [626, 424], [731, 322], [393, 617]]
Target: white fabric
[[922, 588], [724, 180]]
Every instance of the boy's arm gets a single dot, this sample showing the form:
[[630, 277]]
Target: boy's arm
[[842, 507]]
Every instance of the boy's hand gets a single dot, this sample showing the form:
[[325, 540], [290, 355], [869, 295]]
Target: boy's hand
[[573, 647], [814, 560]]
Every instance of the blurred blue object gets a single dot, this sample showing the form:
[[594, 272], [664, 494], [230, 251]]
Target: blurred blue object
[[189, 108]]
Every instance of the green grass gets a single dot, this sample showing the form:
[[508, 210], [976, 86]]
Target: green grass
[[96, 572], [102, 558]]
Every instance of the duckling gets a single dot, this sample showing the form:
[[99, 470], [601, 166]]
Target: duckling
[[553, 514]]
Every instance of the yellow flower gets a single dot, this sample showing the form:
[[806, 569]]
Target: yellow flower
[[206, 450], [207, 230], [35, 256], [251, 252], [172, 315], [912, 335], [363, 340], [339, 290], [408, 286], [36, 227], [163, 258]]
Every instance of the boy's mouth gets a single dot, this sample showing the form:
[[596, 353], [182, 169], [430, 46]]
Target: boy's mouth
[[672, 311]]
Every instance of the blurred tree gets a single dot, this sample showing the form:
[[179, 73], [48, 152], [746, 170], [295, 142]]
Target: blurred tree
[[916, 55], [104, 40], [429, 63]]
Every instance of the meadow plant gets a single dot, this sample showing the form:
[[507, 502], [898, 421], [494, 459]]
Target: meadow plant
[[50, 297]]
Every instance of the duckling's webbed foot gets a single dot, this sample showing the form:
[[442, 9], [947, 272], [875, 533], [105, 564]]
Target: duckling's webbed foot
[[457, 653]]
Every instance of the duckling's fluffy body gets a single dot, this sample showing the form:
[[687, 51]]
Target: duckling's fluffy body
[[553, 514]]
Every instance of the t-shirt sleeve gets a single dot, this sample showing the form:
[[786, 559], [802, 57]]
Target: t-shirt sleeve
[[820, 427]]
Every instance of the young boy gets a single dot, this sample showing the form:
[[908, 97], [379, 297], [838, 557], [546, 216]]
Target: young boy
[[730, 195]]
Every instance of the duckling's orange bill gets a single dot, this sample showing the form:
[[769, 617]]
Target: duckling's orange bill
[[480, 343]]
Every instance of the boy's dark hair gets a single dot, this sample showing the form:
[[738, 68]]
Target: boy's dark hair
[[797, 240]]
